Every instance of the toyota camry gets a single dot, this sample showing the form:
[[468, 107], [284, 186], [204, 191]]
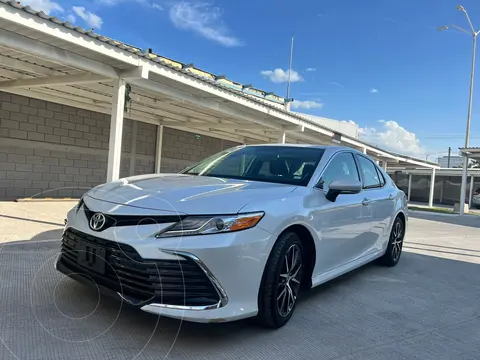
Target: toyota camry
[[241, 234]]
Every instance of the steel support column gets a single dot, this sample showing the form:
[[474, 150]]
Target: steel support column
[[116, 128], [283, 138], [133, 148], [158, 154], [472, 183], [432, 188], [409, 186]]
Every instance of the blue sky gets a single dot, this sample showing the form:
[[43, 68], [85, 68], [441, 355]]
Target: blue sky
[[378, 63]]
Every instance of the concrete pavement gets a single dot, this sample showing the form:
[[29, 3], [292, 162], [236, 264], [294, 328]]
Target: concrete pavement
[[425, 308]]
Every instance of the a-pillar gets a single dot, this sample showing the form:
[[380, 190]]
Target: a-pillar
[[409, 186], [472, 183], [432, 188], [158, 153], [116, 128], [283, 138]]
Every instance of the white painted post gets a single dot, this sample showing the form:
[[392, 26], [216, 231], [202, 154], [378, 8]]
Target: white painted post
[[365, 151], [409, 186], [158, 155], [441, 189], [116, 128], [133, 148], [472, 183], [283, 138], [384, 165], [463, 186], [432, 188]]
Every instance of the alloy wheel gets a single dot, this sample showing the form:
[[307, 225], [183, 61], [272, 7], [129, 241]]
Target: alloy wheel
[[289, 280], [397, 240]]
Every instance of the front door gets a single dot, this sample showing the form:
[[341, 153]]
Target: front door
[[342, 224]]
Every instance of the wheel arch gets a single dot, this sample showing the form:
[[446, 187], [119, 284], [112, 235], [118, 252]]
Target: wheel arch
[[310, 250], [402, 216]]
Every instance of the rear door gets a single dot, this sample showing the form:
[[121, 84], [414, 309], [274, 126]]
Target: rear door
[[381, 203]]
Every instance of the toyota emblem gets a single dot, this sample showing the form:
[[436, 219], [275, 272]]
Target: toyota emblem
[[97, 221]]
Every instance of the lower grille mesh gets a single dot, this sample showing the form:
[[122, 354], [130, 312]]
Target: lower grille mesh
[[169, 282]]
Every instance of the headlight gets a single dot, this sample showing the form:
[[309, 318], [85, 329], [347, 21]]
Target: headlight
[[204, 225]]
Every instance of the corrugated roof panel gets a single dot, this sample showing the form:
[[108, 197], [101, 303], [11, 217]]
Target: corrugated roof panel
[[134, 50]]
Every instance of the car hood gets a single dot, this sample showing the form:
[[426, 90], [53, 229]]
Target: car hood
[[188, 194]]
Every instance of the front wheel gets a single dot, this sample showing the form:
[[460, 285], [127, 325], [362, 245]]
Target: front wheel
[[395, 244], [281, 283]]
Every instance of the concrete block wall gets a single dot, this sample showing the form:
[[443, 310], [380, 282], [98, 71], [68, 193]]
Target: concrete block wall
[[52, 150], [181, 149]]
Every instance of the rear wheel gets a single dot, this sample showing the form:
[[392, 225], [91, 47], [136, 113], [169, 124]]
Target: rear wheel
[[281, 281], [395, 244]]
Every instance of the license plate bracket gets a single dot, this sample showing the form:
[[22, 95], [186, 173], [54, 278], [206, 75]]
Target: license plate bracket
[[91, 256]]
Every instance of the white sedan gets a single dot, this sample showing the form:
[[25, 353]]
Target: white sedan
[[241, 234]]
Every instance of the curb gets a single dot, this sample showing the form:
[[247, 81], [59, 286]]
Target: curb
[[46, 199]]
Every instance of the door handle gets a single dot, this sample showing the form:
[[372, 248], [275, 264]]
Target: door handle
[[390, 197], [365, 202]]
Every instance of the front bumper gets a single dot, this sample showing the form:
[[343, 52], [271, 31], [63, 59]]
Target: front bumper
[[210, 278]]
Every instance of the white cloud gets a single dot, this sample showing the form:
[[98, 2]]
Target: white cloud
[[91, 19], [308, 104], [204, 20], [281, 76], [373, 91], [390, 135], [157, 6], [71, 18], [109, 2], [336, 84], [47, 6], [311, 69]]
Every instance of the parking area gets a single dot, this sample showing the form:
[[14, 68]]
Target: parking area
[[425, 308]]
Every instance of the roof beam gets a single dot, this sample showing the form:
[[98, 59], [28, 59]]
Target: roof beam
[[52, 80], [54, 54], [181, 95], [18, 64], [228, 126], [140, 72]]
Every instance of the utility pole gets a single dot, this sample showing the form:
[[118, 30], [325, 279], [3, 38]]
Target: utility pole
[[290, 69], [449, 152]]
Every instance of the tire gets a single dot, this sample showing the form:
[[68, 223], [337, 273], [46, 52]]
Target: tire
[[395, 244], [281, 283]]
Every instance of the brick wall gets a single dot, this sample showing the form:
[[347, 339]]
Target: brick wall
[[52, 150]]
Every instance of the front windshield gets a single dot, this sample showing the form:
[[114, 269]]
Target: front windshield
[[278, 164]]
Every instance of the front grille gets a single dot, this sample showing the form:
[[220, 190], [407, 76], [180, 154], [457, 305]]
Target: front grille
[[171, 282], [133, 220]]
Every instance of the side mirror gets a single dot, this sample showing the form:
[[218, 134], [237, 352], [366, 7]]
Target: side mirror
[[338, 187]]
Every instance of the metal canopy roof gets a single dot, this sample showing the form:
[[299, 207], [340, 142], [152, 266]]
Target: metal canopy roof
[[46, 58], [471, 152]]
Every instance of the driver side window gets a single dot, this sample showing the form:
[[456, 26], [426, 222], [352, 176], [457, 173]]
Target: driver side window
[[342, 167]]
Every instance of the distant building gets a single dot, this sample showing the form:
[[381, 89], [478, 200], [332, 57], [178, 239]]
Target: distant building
[[455, 161]]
